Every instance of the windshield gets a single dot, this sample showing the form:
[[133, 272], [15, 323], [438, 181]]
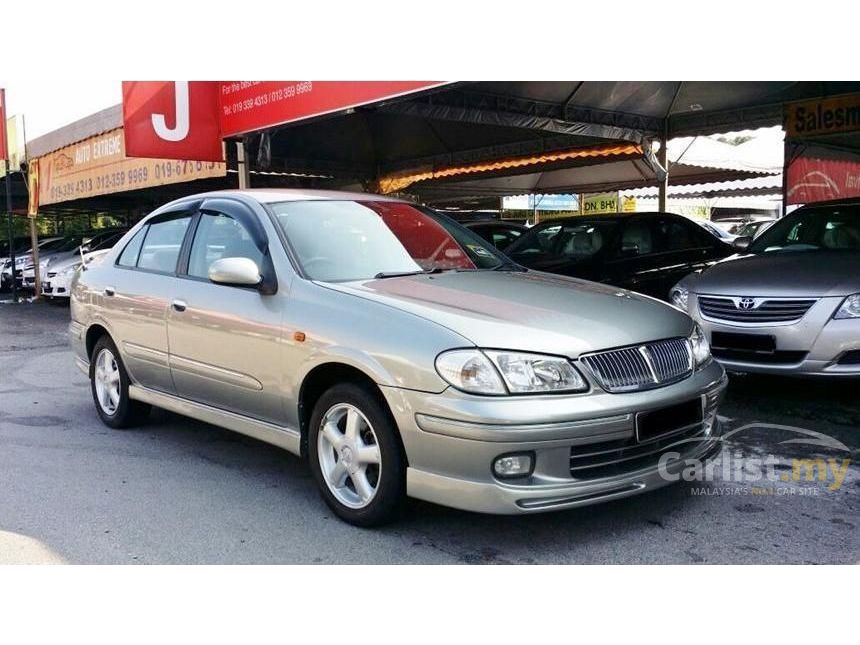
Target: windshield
[[338, 241], [572, 240], [812, 229]]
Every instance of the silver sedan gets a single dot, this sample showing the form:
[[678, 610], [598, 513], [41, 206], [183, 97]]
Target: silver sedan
[[396, 350], [789, 303]]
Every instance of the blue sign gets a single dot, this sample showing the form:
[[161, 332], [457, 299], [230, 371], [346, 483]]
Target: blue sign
[[541, 202]]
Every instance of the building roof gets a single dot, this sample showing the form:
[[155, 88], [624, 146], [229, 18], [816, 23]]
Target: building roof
[[97, 123]]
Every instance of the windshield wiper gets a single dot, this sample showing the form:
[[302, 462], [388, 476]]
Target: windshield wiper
[[509, 266], [399, 274]]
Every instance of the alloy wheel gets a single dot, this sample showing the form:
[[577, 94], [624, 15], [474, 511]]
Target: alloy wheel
[[107, 382], [349, 455]]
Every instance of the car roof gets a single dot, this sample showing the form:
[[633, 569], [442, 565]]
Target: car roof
[[610, 217], [491, 222], [846, 201], [273, 195]]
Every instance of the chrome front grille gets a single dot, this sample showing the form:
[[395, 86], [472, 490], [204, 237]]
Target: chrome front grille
[[641, 367], [754, 310]]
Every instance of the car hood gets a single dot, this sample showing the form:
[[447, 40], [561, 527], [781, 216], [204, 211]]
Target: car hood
[[63, 263], [789, 273], [528, 311]]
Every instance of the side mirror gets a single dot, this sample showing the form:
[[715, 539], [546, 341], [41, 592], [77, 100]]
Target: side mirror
[[235, 271], [742, 243]]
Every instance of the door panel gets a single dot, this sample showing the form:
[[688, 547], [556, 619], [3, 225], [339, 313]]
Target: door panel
[[138, 311], [225, 348], [136, 300], [225, 341]]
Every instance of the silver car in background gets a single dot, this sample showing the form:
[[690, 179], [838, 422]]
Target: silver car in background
[[790, 303], [398, 351]]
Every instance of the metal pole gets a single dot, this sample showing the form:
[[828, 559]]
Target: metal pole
[[34, 240], [663, 157], [244, 168], [11, 228], [786, 152]]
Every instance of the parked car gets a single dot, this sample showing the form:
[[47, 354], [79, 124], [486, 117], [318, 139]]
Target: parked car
[[789, 303], [398, 351], [72, 248], [734, 224], [716, 231], [24, 259], [643, 252], [499, 233], [57, 280], [753, 229], [20, 245]]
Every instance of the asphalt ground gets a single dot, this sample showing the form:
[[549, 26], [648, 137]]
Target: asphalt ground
[[178, 491]]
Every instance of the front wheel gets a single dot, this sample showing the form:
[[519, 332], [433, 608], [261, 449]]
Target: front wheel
[[356, 457], [109, 383]]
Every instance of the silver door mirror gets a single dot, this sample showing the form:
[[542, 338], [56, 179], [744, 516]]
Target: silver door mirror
[[235, 271]]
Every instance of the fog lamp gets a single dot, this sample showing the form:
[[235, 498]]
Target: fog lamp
[[514, 465]]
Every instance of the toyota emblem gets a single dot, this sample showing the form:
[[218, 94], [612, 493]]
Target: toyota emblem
[[746, 303]]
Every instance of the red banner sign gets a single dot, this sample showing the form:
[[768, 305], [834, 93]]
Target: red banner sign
[[252, 105], [187, 120], [172, 120], [4, 153], [814, 180]]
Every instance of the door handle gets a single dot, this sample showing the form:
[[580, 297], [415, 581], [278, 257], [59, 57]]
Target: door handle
[[109, 291], [179, 305]]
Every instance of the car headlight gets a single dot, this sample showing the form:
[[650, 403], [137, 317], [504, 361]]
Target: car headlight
[[503, 372], [679, 297], [70, 271], [850, 308], [700, 347], [20, 261]]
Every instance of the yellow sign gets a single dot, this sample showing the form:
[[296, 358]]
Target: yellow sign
[[98, 166], [628, 204], [823, 116], [33, 188], [15, 139], [600, 203]]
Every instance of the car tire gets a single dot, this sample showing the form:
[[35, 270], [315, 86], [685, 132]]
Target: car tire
[[109, 383], [350, 429]]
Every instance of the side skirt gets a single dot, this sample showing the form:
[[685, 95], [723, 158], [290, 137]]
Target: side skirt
[[280, 436]]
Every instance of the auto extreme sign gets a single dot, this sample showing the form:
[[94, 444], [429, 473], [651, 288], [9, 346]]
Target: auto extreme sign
[[188, 119], [99, 166], [821, 117]]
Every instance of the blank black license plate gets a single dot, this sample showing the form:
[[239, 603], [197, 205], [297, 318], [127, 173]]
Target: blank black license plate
[[758, 343], [654, 423]]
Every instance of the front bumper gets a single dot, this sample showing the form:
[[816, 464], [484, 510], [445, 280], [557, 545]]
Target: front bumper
[[815, 345], [451, 440], [56, 285]]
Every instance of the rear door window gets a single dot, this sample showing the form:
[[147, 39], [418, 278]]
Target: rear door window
[[160, 250], [128, 258]]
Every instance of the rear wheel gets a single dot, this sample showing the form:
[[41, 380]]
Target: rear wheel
[[356, 456], [109, 383]]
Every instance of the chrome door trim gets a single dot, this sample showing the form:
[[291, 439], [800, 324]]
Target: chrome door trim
[[146, 354], [287, 438], [214, 373]]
